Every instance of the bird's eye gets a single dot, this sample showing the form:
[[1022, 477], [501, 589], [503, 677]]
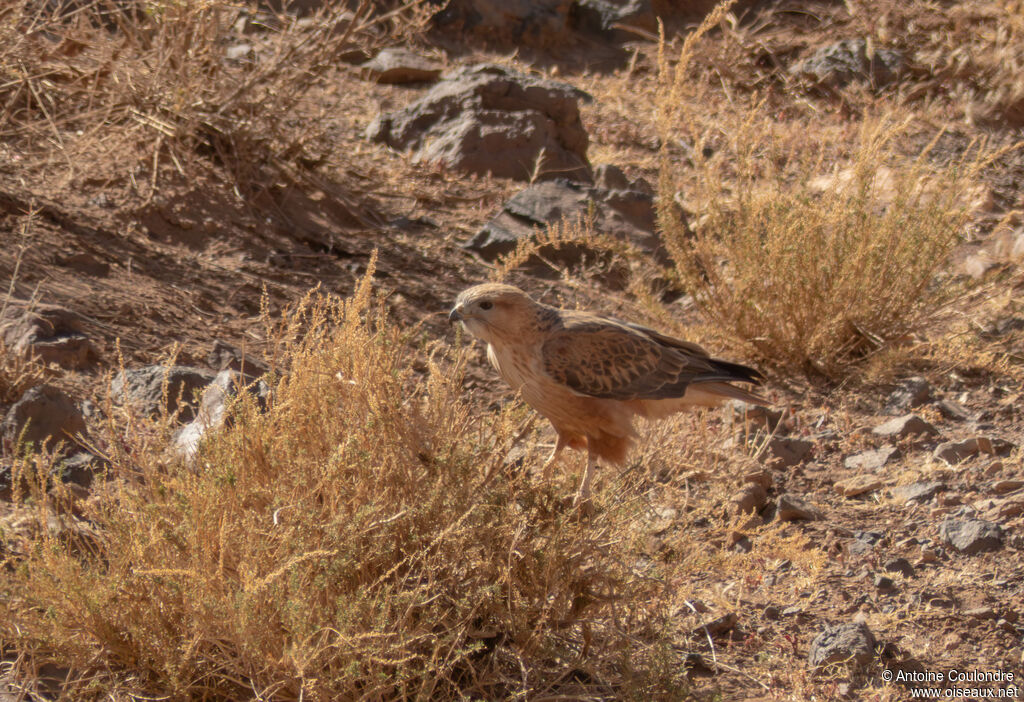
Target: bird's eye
[[486, 305]]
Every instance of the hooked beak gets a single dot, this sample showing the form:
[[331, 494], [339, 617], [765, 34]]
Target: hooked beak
[[454, 315]]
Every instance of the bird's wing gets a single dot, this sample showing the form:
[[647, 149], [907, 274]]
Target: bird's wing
[[608, 359]]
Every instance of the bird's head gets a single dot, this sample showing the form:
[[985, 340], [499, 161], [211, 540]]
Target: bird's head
[[492, 309]]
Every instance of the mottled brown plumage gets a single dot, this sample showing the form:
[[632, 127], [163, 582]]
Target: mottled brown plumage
[[590, 375]]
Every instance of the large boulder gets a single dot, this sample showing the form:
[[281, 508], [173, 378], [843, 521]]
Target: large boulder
[[43, 417], [487, 119], [144, 389]]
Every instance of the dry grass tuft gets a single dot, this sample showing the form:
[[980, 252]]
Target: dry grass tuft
[[18, 373], [364, 538], [152, 84], [809, 266]]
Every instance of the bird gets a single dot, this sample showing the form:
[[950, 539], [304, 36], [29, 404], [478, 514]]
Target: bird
[[591, 375]]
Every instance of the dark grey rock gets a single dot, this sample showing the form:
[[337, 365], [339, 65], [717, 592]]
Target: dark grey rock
[[953, 452], [901, 566], [971, 536], [626, 213], [51, 333], [851, 645], [397, 65], [489, 119], [43, 417], [81, 468], [790, 508], [906, 426], [615, 19], [864, 542], [884, 583], [143, 388], [952, 410], [844, 62], [912, 392]]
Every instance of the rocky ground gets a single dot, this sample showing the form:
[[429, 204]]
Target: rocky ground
[[878, 518]]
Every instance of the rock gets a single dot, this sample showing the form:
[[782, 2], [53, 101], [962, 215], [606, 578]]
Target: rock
[[614, 19], [758, 477], [53, 334], [772, 613], [718, 626], [844, 62], [1001, 487], [489, 119], [845, 644], [981, 613], [626, 214], [540, 24], [786, 453], [224, 356], [954, 452], [144, 389], [739, 542], [695, 665], [80, 468], [858, 485], [51, 415], [871, 461], [952, 410], [790, 508], [397, 65], [999, 328], [749, 499], [1004, 509], [864, 541], [917, 492], [884, 583], [213, 408], [912, 392], [901, 566], [906, 426], [1008, 627], [971, 536]]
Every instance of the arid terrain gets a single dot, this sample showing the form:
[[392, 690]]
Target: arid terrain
[[244, 455]]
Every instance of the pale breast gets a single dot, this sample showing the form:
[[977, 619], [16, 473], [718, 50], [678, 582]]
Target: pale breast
[[567, 410]]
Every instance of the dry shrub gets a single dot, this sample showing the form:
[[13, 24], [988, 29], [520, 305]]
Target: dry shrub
[[150, 83], [969, 54], [18, 373], [364, 538], [805, 271]]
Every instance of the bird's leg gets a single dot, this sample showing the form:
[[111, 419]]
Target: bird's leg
[[550, 463], [583, 494]]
